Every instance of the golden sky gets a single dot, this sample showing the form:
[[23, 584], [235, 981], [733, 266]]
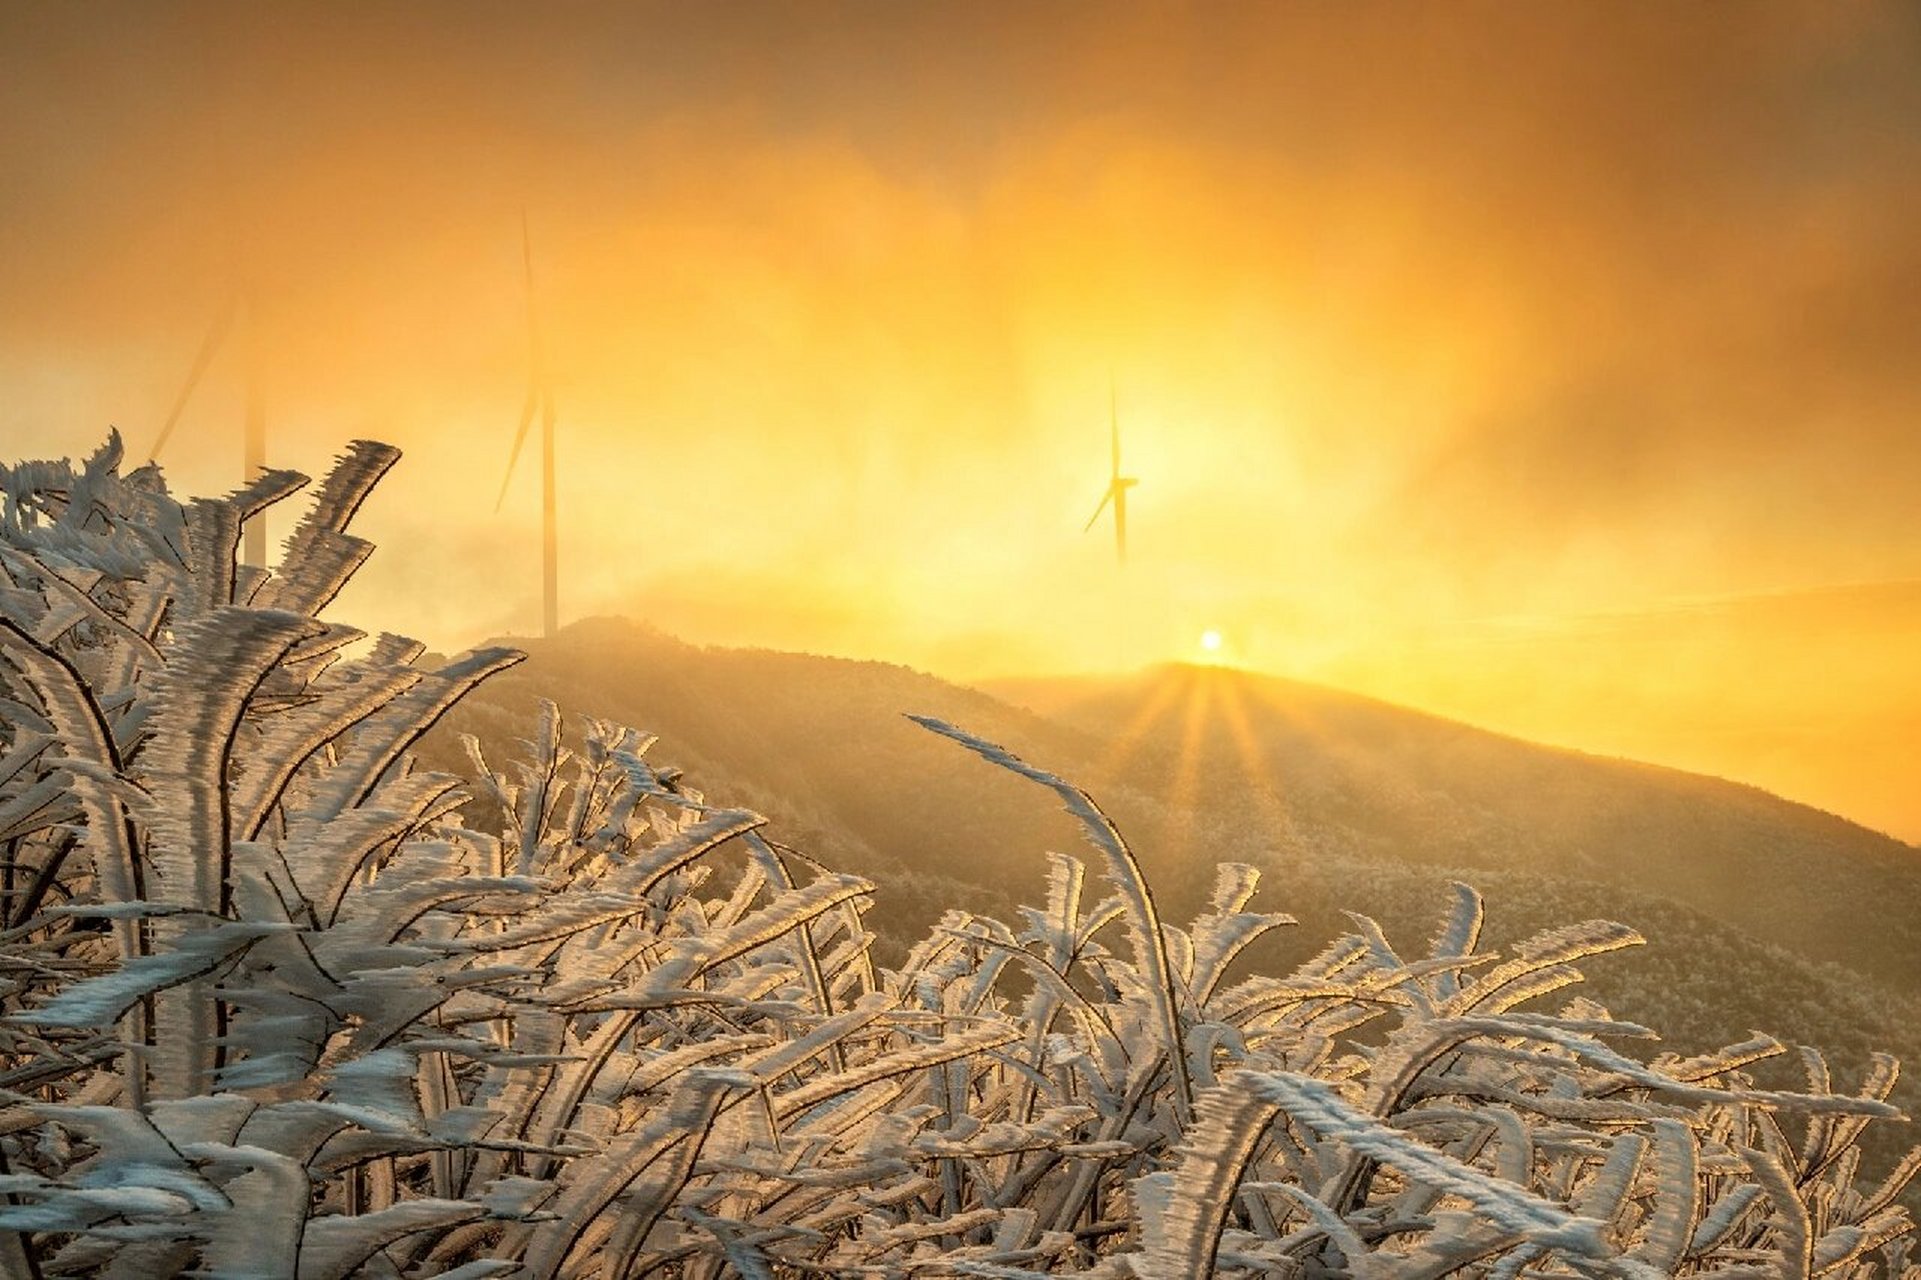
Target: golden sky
[[1549, 366]]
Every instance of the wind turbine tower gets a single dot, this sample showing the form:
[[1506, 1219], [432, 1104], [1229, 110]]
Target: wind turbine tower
[[253, 459], [1117, 484], [540, 396], [244, 306]]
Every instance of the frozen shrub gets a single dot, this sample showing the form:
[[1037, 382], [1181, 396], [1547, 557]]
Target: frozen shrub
[[279, 1003]]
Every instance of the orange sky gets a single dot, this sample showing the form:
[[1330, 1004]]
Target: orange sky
[[1550, 366]]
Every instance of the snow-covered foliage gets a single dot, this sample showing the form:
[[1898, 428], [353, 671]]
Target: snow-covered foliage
[[278, 1003]]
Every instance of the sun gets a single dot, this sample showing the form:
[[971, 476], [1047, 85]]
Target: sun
[[1210, 641]]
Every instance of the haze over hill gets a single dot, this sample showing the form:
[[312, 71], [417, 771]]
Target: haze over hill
[[1755, 906], [1813, 694]]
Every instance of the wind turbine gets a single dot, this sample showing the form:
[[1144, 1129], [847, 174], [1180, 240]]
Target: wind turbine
[[242, 304], [539, 396], [1117, 484], [253, 448]]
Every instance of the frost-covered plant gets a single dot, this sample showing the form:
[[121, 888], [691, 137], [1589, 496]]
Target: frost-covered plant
[[279, 1003]]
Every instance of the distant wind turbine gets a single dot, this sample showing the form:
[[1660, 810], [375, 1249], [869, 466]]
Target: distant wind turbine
[[1117, 484], [539, 395], [253, 449], [242, 305]]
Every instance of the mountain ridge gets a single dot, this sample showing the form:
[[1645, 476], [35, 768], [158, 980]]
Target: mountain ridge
[[1012, 689]]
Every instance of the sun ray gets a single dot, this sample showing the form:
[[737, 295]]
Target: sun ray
[[1121, 750], [1262, 785], [1183, 795]]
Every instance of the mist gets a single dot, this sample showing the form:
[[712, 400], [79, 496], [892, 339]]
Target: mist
[[1476, 326]]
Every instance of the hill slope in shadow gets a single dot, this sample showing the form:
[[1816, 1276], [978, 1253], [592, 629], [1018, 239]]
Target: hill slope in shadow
[[1379, 780]]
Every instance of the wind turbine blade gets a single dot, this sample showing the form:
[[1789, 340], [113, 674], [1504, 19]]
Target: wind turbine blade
[[536, 387], [1105, 499], [520, 438], [527, 251], [534, 353], [549, 523], [209, 348], [1114, 424]]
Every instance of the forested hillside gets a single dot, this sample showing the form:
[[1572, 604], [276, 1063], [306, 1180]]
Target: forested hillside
[[1396, 782], [1210, 763]]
